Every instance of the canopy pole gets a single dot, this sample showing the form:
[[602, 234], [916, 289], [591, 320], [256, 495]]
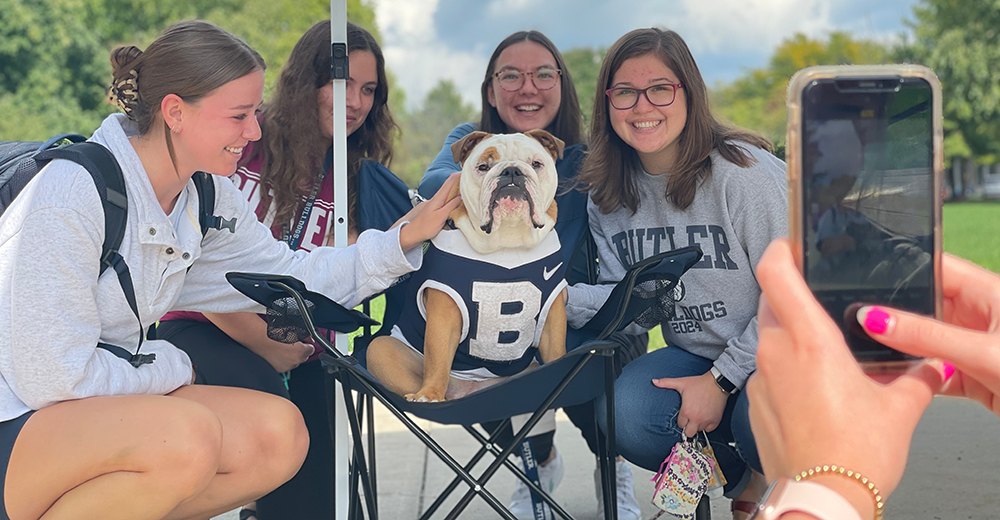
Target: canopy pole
[[339, 72]]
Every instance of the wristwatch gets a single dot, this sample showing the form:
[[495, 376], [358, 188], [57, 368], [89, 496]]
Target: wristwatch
[[786, 496], [725, 384]]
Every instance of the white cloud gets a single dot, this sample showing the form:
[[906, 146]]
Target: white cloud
[[417, 57], [750, 25], [726, 36]]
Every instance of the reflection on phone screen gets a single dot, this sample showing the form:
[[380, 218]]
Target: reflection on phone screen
[[868, 201]]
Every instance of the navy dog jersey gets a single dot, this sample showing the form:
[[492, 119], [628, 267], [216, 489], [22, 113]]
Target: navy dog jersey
[[504, 298]]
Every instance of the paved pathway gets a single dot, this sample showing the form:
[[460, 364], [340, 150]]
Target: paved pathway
[[953, 470]]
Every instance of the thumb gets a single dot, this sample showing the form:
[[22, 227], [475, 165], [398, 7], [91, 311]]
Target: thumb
[[672, 383], [912, 392], [308, 346], [452, 204]]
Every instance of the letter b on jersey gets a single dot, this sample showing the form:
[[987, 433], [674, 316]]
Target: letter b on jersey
[[504, 308]]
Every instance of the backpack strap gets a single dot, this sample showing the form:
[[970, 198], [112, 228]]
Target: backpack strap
[[110, 183], [205, 185]]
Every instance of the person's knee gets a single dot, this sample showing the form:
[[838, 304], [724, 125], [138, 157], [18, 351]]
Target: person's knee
[[281, 438], [188, 458], [645, 421]]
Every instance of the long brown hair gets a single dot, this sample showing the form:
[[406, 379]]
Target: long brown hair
[[190, 59], [568, 123], [292, 144], [609, 172]]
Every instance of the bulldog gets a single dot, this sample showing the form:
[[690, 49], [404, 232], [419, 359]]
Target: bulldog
[[490, 292]]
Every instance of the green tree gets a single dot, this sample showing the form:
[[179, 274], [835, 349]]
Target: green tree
[[756, 100], [960, 41], [272, 27], [584, 64], [52, 70], [54, 66], [424, 130]]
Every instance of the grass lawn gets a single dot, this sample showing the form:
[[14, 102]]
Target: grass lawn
[[971, 231]]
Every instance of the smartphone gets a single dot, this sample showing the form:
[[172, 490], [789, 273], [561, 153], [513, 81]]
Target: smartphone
[[864, 155]]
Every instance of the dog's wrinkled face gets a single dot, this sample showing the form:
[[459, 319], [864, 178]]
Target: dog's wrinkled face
[[508, 185]]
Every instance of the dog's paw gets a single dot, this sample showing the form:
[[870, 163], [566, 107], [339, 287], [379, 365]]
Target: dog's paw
[[425, 396]]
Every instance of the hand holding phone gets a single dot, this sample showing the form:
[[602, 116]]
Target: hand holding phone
[[864, 163]]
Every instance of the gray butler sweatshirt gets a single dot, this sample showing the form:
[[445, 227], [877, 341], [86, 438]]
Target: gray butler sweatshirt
[[736, 213]]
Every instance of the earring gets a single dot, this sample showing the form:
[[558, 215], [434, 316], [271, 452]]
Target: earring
[[175, 129]]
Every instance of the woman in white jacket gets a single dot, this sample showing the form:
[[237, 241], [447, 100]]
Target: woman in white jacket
[[83, 433]]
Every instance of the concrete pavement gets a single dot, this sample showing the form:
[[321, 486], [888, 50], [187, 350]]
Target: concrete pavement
[[953, 470]]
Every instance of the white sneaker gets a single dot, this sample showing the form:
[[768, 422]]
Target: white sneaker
[[549, 477], [628, 507]]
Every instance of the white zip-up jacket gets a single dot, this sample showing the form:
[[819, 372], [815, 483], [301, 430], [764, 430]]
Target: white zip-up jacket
[[54, 309]]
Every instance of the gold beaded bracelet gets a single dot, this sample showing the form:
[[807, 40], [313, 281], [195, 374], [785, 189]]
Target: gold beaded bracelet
[[839, 470]]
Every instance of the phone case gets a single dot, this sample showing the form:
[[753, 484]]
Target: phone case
[[793, 160]]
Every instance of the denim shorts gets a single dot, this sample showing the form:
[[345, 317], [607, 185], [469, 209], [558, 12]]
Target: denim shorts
[[8, 434]]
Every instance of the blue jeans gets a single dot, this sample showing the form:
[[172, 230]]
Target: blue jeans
[[646, 417]]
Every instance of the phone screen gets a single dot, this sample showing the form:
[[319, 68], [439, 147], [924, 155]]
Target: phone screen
[[868, 200]]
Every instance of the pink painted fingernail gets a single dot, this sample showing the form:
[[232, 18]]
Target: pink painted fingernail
[[949, 370], [874, 319]]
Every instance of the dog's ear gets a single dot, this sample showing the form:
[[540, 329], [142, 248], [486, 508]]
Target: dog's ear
[[463, 147], [551, 143]]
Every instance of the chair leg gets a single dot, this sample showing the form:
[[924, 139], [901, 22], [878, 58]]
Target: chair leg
[[486, 444], [609, 478], [516, 470], [370, 402], [359, 455], [519, 436], [602, 458], [704, 510], [331, 413], [355, 511], [477, 487]]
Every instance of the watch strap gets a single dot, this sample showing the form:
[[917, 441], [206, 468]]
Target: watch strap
[[724, 383], [806, 497]]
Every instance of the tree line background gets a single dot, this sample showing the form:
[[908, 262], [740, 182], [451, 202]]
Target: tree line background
[[54, 70]]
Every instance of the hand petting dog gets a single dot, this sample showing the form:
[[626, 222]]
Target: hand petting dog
[[428, 217]]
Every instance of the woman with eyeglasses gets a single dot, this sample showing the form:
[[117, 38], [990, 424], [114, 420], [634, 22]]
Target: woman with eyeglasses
[[528, 87], [664, 173]]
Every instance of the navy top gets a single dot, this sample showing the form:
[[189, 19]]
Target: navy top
[[504, 298]]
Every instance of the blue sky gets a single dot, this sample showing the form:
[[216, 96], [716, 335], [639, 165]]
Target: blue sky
[[427, 40]]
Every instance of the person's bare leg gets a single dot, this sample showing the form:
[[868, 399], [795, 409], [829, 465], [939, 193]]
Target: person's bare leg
[[264, 443], [128, 457], [146, 457], [396, 365]]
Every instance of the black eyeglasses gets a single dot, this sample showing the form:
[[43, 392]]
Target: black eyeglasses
[[661, 95], [512, 80]]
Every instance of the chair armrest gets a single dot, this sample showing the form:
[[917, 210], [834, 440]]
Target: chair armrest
[[646, 287]]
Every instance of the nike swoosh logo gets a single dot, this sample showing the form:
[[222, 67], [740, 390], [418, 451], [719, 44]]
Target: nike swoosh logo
[[546, 273]]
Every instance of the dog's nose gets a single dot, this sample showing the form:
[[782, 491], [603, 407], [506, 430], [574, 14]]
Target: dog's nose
[[512, 172]]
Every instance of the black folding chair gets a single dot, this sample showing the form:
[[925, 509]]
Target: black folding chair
[[643, 296]]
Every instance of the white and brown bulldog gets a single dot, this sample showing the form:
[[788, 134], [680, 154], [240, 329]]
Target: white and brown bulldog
[[508, 187], [503, 235]]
